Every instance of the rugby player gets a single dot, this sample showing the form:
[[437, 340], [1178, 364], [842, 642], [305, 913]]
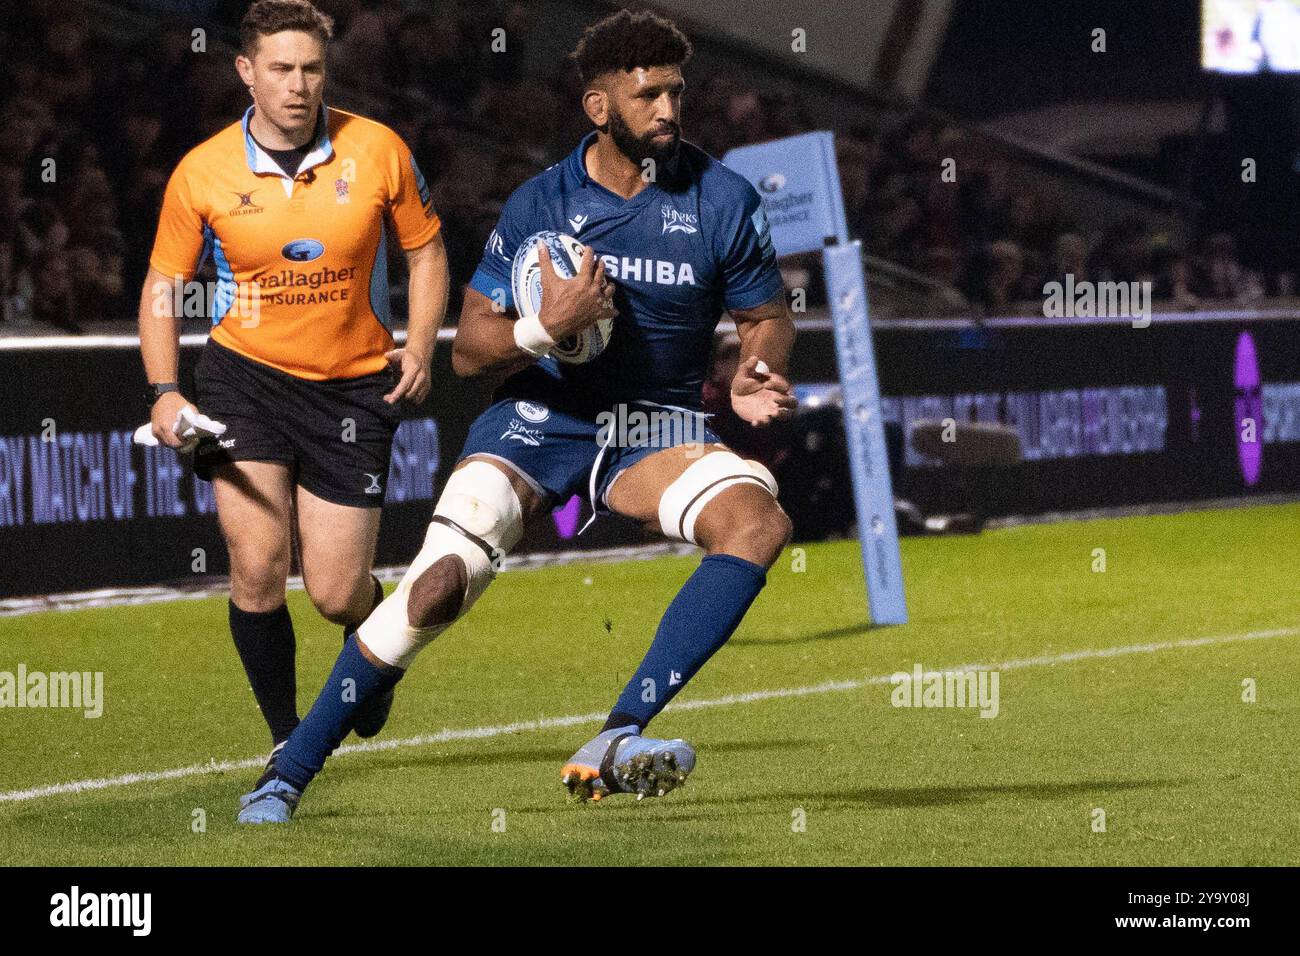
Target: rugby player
[[295, 204], [674, 248]]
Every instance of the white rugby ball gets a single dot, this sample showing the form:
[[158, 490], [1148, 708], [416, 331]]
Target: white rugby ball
[[526, 287]]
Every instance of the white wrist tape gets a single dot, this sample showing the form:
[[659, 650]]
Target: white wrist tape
[[532, 337]]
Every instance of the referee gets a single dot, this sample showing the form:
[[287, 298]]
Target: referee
[[295, 204]]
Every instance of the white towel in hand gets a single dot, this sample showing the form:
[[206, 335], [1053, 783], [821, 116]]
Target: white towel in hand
[[191, 427]]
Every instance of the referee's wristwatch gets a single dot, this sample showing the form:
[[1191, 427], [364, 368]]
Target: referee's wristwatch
[[157, 390]]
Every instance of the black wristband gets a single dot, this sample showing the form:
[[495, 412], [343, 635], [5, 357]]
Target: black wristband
[[157, 390]]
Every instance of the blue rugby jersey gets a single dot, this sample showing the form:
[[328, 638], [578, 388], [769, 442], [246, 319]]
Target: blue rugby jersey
[[679, 252]]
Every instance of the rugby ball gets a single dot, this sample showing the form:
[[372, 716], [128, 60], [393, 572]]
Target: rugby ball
[[526, 287]]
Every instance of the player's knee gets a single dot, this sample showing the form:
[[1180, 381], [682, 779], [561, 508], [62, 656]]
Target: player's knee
[[256, 568], [337, 607], [438, 594], [257, 579], [779, 529], [477, 519], [747, 511], [343, 599], [758, 532]]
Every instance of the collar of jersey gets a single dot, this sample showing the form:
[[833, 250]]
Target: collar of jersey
[[259, 162], [578, 169]]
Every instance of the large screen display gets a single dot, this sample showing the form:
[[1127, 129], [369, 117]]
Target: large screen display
[[1250, 36]]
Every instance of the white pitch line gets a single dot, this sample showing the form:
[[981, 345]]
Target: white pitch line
[[154, 594], [550, 723]]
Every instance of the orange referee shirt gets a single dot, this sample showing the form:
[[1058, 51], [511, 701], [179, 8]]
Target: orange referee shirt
[[302, 276]]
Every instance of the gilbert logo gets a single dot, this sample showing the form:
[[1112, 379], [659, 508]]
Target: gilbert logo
[[246, 205], [372, 488], [73, 909]]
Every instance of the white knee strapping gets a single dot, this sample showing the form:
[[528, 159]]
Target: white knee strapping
[[683, 500], [479, 499]]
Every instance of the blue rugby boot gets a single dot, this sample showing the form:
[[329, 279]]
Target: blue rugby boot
[[620, 760], [267, 773], [272, 802]]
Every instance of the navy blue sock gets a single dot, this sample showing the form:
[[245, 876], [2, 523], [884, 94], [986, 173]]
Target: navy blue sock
[[704, 614], [330, 718]]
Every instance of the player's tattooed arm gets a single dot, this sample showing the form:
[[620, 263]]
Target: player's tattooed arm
[[760, 392]]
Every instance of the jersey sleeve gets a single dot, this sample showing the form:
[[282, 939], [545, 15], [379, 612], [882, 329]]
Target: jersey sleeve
[[410, 203], [749, 273], [492, 277], [180, 238]]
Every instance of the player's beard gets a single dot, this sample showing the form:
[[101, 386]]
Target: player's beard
[[640, 148]]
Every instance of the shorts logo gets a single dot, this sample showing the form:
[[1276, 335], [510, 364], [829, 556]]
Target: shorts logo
[[521, 433], [302, 250], [373, 488], [532, 412], [226, 442]]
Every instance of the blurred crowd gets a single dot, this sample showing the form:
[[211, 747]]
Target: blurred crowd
[[999, 238], [91, 126]]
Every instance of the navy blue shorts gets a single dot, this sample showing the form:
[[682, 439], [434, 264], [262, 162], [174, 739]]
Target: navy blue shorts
[[565, 453]]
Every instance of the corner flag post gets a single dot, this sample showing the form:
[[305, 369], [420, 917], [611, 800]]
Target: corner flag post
[[800, 185]]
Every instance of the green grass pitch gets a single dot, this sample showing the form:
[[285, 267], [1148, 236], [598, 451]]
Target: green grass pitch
[[1160, 739]]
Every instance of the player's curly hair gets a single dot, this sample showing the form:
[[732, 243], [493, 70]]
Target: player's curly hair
[[626, 40], [274, 16]]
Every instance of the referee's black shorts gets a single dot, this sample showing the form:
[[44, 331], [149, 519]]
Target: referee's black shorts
[[336, 436]]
